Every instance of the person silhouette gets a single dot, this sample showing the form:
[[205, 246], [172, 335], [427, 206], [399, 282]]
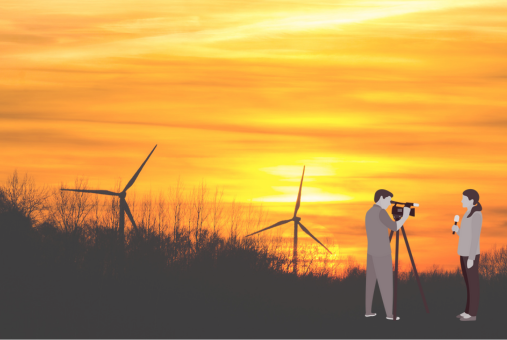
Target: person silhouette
[[379, 264], [469, 251]]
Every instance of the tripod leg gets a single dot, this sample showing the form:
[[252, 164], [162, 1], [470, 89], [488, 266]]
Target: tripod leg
[[391, 235], [396, 275], [415, 270]]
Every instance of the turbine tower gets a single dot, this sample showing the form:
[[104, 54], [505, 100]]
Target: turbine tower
[[297, 222], [124, 208]]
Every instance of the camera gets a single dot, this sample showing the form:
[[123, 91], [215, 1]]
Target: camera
[[397, 211]]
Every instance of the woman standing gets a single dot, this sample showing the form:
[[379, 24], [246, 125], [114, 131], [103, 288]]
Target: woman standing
[[468, 249]]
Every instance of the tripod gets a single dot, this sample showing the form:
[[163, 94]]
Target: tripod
[[398, 217]]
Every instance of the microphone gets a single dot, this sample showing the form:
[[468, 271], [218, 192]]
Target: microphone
[[456, 220]]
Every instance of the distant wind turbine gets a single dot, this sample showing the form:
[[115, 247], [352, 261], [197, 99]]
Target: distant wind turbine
[[124, 208], [297, 221]]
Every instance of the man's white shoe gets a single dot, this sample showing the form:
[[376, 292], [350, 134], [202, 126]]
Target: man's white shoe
[[390, 318], [370, 315]]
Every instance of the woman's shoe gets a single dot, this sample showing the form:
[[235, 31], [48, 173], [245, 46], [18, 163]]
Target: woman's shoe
[[472, 318]]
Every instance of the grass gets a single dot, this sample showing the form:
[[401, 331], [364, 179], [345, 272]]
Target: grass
[[74, 281], [62, 284]]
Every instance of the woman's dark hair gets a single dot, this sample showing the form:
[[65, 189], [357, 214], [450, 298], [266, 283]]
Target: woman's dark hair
[[473, 195], [382, 193]]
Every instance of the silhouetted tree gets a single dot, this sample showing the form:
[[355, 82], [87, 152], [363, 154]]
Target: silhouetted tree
[[72, 208], [25, 197], [4, 204]]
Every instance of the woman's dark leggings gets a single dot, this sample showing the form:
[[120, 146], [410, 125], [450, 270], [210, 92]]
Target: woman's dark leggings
[[471, 276]]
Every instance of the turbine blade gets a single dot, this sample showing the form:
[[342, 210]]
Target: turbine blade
[[310, 234], [133, 179], [129, 214], [299, 194], [100, 192], [271, 226]]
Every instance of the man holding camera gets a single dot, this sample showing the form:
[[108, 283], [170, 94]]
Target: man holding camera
[[379, 265]]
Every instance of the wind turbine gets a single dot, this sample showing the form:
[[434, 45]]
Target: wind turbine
[[124, 208], [297, 221]]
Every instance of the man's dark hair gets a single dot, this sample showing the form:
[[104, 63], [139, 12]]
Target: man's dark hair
[[382, 193]]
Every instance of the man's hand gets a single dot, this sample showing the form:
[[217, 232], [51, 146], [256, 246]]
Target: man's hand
[[406, 213], [455, 228], [470, 263]]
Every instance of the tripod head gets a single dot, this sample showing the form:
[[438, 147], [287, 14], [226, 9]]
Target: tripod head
[[397, 211]]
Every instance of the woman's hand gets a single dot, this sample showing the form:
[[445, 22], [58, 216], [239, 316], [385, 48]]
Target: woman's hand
[[470, 263], [455, 228]]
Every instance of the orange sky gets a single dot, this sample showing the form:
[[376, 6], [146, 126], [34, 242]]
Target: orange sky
[[409, 96]]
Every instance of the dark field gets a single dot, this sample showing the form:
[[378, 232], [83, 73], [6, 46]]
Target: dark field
[[54, 285], [76, 282]]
